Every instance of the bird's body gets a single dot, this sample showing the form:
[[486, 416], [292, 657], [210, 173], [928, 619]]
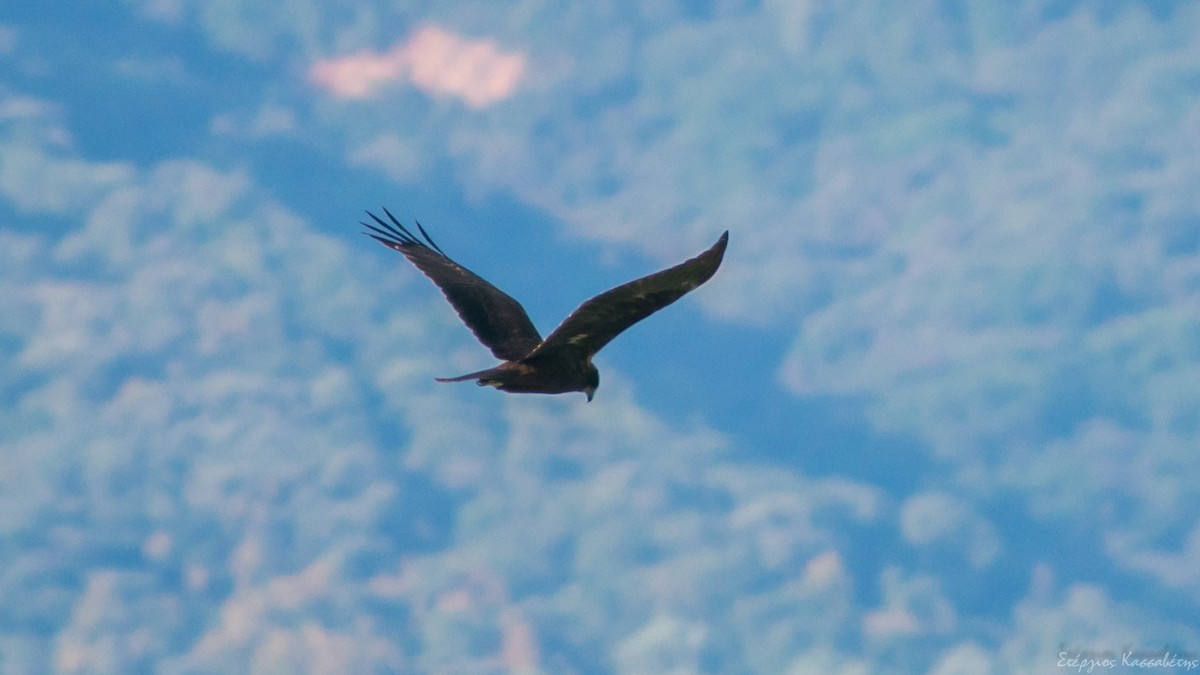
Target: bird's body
[[562, 362], [559, 376]]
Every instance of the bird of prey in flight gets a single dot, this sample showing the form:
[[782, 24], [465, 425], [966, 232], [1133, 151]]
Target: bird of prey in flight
[[562, 362]]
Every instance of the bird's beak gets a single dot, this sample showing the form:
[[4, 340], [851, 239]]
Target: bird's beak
[[590, 393]]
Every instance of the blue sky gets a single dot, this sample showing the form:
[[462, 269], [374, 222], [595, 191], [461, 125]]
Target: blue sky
[[937, 412]]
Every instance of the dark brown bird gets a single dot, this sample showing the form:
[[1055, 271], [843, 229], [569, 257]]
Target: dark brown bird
[[563, 361]]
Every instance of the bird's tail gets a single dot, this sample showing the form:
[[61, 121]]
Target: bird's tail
[[478, 375]]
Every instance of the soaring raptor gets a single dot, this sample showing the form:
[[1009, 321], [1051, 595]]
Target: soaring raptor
[[562, 362]]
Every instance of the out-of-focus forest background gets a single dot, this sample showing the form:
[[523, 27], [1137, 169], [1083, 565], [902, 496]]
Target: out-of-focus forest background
[[938, 412]]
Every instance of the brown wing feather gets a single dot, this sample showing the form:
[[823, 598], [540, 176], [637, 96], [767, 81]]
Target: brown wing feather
[[496, 319], [605, 316]]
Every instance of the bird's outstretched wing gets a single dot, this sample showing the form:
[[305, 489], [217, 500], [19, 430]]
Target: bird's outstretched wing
[[496, 319], [597, 321]]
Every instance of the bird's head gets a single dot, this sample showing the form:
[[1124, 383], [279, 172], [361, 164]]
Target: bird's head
[[591, 381]]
